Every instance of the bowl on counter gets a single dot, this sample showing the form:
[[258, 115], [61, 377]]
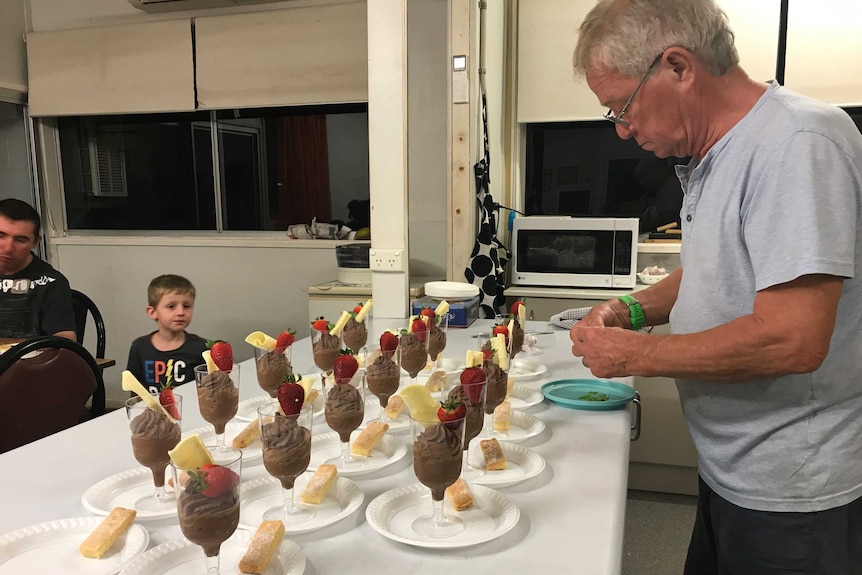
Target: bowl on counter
[[650, 279]]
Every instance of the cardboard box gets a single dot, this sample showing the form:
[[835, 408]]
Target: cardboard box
[[461, 313]]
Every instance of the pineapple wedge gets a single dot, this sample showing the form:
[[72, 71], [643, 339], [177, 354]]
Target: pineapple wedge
[[442, 308], [131, 383], [260, 340], [363, 313], [339, 325], [211, 366], [418, 400], [522, 315], [191, 453], [501, 351], [410, 323], [474, 358]]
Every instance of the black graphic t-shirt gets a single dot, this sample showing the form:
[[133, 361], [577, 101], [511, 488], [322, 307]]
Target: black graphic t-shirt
[[35, 301], [159, 369]]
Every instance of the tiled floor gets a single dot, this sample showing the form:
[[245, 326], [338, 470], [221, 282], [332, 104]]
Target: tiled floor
[[657, 531]]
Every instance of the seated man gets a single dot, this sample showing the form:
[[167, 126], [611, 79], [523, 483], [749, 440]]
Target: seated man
[[35, 299]]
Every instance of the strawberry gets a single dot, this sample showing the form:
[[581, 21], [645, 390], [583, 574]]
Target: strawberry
[[320, 324], [345, 366], [504, 329], [357, 308], [388, 341], [285, 339], [514, 309], [291, 396], [212, 480], [427, 312], [487, 352], [450, 410], [222, 354], [472, 379], [419, 329], [166, 398]]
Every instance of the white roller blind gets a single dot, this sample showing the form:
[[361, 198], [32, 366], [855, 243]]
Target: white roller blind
[[283, 57], [131, 68]]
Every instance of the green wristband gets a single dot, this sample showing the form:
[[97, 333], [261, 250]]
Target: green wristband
[[635, 310]]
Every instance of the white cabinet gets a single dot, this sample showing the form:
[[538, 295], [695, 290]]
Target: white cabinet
[[824, 50], [548, 31]]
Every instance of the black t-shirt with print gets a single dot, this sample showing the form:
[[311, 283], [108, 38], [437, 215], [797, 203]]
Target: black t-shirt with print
[[35, 301], [159, 369]]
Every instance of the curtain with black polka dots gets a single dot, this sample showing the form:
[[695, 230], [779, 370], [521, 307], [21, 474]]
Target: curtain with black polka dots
[[487, 268]]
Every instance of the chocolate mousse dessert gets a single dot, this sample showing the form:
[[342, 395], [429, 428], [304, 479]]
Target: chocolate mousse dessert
[[286, 449], [437, 458], [209, 512], [325, 350], [414, 353], [517, 337], [475, 416], [218, 399], [355, 335], [272, 367], [344, 409], [153, 435], [436, 341], [496, 381], [383, 377]]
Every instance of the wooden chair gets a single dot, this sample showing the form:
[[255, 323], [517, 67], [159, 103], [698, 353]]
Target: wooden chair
[[48, 392]]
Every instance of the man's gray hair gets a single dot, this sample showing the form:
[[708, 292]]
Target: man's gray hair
[[629, 34]]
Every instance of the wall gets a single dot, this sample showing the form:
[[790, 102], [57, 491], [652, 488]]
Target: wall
[[13, 67]]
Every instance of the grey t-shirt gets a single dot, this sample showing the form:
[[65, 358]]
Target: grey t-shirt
[[776, 198]]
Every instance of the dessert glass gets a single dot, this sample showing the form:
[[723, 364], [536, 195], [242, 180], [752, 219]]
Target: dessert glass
[[496, 379], [382, 375], [437, 449], [516, 340], [437, 339], [414, 352], [209, 516], [272, 367], [286, 442], [325, 348], [153, 435], [344, 409], [355, 335], [473, 396], [218, 398]]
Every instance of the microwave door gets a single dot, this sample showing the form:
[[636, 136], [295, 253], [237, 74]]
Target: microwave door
[[583, 258]]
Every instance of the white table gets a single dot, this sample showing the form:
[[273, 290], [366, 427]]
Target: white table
[[572, 514]]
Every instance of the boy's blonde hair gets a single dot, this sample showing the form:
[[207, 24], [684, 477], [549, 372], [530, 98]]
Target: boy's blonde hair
[[168, 283]]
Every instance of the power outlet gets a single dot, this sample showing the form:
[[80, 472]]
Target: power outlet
[[386, 260]]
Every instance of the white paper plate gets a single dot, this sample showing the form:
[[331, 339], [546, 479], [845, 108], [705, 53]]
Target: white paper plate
[[524, 397], [373, 412], [451, 291], [259, 495], [52, 547], [448, 365], [392, 513], [522, 464], [247, 409], [522, 369], [122, 490], [182, 557], [521, 426], [251, 455], [327, 446]]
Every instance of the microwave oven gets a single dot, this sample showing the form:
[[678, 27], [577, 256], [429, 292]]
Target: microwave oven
[[564, 251]]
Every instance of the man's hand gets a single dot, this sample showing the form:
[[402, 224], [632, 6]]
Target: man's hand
[[605, 350]]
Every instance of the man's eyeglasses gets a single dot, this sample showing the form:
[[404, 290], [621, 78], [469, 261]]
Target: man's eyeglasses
[[618, 118]]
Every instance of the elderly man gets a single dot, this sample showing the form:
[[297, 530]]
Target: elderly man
[[765, 310], [35, 299]]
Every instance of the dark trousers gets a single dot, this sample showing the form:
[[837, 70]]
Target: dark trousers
[[730, 540]]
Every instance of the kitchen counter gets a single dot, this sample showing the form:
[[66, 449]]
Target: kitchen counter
[[572, 514]]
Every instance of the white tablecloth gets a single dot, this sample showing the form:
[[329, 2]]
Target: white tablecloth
[[572, 514]]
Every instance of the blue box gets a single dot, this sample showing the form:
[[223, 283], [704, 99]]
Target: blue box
[[462, 313]]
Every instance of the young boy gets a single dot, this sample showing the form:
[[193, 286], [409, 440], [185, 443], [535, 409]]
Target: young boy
[[167, 357]]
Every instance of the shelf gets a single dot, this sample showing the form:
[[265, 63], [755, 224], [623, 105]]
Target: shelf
[[659, 248]]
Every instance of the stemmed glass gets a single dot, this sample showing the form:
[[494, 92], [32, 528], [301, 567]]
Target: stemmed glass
[[437, 449], [153, 435], [496, 375], [286, 441], [473, 396], [437, 339], [325, 348], [272, 367], [208, 502], [218, 397], [382, 374], [344, 409], [414, 349], [355, 334]]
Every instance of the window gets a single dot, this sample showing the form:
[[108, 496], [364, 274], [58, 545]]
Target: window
[[276, 167]]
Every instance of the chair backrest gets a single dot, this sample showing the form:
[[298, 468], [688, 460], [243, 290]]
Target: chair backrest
[[47, 392], [83, 305]]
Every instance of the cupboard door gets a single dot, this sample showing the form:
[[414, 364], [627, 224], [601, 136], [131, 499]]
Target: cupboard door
[[824, 50]]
